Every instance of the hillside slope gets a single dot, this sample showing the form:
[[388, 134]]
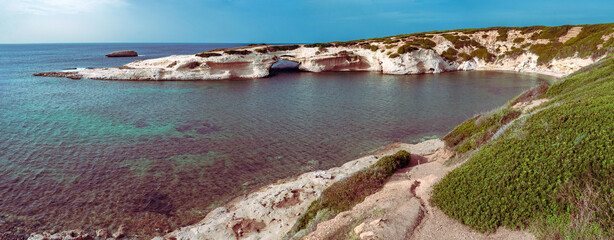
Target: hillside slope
[[552, 169]]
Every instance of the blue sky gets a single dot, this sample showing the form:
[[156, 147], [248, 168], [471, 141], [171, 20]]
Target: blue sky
[[273, 21]]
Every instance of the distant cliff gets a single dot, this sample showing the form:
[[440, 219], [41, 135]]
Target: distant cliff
[[556, 51]]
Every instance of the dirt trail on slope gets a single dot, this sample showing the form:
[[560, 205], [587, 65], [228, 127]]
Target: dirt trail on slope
[[573, 32], [401, 210]]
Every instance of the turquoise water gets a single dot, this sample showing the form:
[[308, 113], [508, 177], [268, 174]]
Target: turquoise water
[[158, 155]]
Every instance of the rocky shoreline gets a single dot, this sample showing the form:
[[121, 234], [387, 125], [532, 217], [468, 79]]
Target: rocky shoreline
[[270, 212]]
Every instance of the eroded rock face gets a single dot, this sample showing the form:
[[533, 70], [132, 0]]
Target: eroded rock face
[[256, 61], [125, 53]]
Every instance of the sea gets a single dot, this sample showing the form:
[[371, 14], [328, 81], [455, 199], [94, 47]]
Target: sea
[[155, 156]]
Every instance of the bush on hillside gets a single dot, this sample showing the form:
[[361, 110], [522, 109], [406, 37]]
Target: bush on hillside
[[208, 54], [465, 56], [344, 194], [450, 54], [519, 40], [238, 52], [276, 48], [482, 53]]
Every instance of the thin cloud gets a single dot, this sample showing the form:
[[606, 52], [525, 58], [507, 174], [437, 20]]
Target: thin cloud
[[56, 7]]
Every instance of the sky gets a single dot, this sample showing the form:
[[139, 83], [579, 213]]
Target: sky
[[274, 21]]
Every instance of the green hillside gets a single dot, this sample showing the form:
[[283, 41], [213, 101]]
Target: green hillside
[[551, 170]]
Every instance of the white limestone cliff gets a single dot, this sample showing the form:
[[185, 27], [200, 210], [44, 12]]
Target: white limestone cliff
[[256, 61]]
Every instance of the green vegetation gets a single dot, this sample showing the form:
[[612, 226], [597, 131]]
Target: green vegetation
[[518, 40], [262, 50], [464, 56], [319, 45], [530, 95], [344, 194], [370, 47], [276, 48], [482, 53], [237, 52], [552, 169], [478, 130], [586, 44], [515, 52], [394, 55], [552, 33], [450, 54], [502, 34], [408, 47], [462, 41], [389, 41], [423, 43], [208, 54]]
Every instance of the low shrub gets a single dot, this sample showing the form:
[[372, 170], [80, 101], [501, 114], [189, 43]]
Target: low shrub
[[422, 43], [518, 40], [276, 48], [465, 56], [476, 131], [394, 55], [344, 194], [208, 54], [502, 34], [482, 53], [408, 47], [515, 52], [238, 52], [461, 41], [370, 47], [319, 45], [530, 95], [262, 50], [552, 33], [450, 54]]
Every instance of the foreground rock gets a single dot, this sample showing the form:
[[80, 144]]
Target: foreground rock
[[411, 54], [269, 213], [65, 235], [125, 53]]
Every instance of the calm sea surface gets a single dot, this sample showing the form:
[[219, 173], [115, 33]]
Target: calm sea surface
[[158, 155]]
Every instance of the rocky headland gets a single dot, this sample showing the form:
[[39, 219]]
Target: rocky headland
[[525, 49]]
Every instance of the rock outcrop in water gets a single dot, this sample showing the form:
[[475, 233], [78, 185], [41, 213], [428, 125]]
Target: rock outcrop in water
[[526, 49], [125, 53]]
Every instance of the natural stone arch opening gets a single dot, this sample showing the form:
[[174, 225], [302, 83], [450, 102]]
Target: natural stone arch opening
[[285, 64]]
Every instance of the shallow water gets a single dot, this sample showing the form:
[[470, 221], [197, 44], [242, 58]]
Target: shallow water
[[157, 155]]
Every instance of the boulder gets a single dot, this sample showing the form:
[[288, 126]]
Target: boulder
[[126, 53]]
